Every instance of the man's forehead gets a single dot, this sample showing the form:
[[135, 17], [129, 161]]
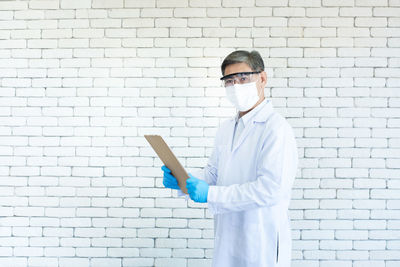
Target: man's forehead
[[237, 67]]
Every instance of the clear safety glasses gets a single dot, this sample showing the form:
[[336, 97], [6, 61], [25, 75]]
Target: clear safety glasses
[[240, 77]]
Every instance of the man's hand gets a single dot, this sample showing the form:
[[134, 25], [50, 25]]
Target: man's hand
[[169, 181], [197, 189]]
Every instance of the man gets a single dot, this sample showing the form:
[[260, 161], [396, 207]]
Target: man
[[247, 181]]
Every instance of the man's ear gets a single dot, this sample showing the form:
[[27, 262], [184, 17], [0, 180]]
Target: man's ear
[[263, 76], [263, 79]]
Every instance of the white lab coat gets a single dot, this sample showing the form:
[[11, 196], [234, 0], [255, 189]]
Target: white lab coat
[[249, 191]]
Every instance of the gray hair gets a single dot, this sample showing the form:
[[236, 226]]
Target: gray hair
[[253, 59]]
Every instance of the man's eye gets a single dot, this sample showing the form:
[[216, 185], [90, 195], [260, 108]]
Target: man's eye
[[228, 81], [245, 79]]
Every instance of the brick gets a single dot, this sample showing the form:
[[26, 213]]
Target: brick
[[74, 4], [255, 11], [139, 3], [12, 5], [322, 12], [136, 22], [170, 22], [386, 11], [189, 12], [124, 13], [157, 13], [171, 3], [107, 3], [171, 243], [305, 22], [303, 42], [319, 32], [271, 22], [370, 42]]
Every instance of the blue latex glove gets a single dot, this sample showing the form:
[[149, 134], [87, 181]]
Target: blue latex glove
[[169, 181], [197, 189]]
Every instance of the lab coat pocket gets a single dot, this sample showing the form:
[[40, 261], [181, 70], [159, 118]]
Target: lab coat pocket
[[244, 240]]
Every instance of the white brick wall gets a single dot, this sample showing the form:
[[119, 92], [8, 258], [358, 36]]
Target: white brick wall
[[81, 82]]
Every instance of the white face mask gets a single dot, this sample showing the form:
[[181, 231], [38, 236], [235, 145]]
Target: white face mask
[[243, 96]]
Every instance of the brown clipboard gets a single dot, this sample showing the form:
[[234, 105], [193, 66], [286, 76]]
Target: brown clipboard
[[169, 159]]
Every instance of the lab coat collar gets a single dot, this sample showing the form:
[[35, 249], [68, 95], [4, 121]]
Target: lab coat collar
[[258, 114], [264, 112]]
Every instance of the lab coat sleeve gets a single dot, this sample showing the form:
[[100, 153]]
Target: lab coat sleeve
[[181, 194], [210, 171], [276, 169]]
